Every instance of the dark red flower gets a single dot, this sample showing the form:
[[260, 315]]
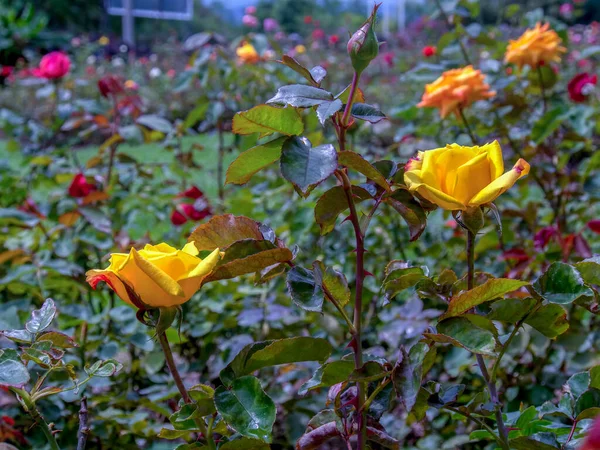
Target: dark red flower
[[592, 442], [334, 39], [53, 65], [110, 85], [6, 71], [8, 420], [177, 218], [318, 34], [80, 187], [581, 85], [192, 192], [594, 225], [388, 57], [429, 50], [193, 213]]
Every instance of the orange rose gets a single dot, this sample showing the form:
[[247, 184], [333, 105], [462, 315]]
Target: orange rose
[[455, 89], [247, 54], [535, 47]]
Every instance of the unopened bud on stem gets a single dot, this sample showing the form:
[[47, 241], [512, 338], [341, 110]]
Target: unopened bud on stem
[[363, 46]]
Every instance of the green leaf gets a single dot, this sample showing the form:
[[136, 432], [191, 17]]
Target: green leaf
[[510, 310], [562, 284], [548, 123], [461, 332], [275, 352], [253, 160], [155, 122], [578, 383], [41, 318], [491, 289], [588, 404], [247, 408], [595, 377], [167, 433], [196, 115], [223, 230], [184, 418], [370, 371], [328, 374], [104, 368], [539, 441], [334, 282], [328, 109], [299, 68], [356, 162], [344, 96], [305, 289], [203, 396], [550, 320], [58, 339], [300, 96], [266, 120], [306, 166], [248, 256], [400, 279], [366, 112], [334, 202], [590, 269], [12, 371], [18, 336], [408, 372], [410, 210], [245, 444]]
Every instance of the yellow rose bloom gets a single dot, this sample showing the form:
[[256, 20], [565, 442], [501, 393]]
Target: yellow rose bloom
[[300, 49], [247, 54], [103, 40], [537, 46], [157, 276], [457, 88], [457, 178]]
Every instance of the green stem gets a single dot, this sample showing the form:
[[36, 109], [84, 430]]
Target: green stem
[[375, 393], [481, 423], [357, 337], [480, 361], [164, 343], [343, 125], [467, 126], [38, 418]]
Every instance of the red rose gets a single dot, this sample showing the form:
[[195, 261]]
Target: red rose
[[177, 218], [193, 193], [193, 213], [318, 34], [581, 85], [334, 39], [592, 441], [429, 50], [594, 225], [54, 65], [110, 85], [80, 187]]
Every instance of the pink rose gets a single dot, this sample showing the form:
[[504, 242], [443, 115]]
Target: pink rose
[[54, 65]]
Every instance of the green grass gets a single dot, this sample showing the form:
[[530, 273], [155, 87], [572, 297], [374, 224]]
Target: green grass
[[154, 153]]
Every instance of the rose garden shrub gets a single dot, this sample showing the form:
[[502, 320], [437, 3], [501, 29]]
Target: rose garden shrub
[[309, 268]]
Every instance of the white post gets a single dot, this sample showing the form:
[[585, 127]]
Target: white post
[[128, 24], [401, 15]]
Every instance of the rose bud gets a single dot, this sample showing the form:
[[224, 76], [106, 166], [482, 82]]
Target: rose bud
[[363, 46]]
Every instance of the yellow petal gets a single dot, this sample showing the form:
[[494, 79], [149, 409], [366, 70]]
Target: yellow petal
[[190, 248], [494, 153], [501, 184], [161, 248], [207, 265], [432, 194], [471, 178]]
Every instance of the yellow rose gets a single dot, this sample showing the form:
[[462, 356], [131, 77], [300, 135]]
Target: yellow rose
[[300, 49], [247, 54], [535, 47], [103, 40], [158, 276], [457, 177], [457, 88]]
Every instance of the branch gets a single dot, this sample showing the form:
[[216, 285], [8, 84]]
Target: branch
[[84, 430]]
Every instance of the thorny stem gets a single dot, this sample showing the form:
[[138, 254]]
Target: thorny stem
[[360, 276], [542, 87], [480, 361], [467, 126], [83, 431], [164, 343], [37, 417], [343, 124]]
